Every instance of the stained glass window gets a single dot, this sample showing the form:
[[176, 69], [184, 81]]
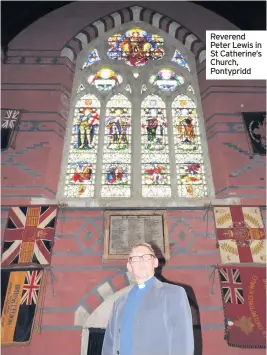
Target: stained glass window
[[154, 149], [167, 80], [92, 58], [188, 151], [179, 59], [116, 169], [80, 179], [105, 79], [151, 89], [136, 47]]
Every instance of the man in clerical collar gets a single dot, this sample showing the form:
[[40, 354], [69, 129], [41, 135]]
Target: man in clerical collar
[[153, 318]]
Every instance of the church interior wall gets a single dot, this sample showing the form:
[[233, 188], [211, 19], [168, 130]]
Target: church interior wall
[[40, 85]]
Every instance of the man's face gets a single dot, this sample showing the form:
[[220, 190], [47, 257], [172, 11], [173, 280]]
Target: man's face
[[142, 269]]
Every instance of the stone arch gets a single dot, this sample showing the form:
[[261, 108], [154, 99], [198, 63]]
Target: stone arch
[[100, 316], [108, 292], [136, 14]]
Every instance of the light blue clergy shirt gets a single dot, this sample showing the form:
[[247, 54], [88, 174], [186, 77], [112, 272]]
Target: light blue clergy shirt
[[129, 311]]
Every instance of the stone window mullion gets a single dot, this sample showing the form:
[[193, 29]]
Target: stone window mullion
[[136, 175], [98, 178], [171, 149]]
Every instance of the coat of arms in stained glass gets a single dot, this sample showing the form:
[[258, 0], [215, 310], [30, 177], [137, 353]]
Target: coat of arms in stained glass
[[105, 79], [80, 178], [154, 149], [116, 170], [167, 80], [136, 47]]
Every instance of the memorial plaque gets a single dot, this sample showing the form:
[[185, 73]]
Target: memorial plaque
[[124, 229]]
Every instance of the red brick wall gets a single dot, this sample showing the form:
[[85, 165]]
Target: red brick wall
[[236, 172], [78, 271], [39, 82], [42, 92]]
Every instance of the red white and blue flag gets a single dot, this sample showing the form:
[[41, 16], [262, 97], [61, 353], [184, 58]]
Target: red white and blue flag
[[29, 236]]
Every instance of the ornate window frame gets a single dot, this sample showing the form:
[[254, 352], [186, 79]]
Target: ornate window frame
[[191, 78]]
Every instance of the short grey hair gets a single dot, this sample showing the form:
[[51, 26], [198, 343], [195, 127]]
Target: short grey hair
[[144, 245]]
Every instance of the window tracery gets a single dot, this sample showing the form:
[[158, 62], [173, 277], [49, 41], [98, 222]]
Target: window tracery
[[147, 94]]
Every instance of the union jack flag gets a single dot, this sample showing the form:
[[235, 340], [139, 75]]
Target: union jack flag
[[231, 286], [31, 287], [29, 235], [10, 119]]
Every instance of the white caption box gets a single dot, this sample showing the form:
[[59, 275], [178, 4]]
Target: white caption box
[[232, 55]]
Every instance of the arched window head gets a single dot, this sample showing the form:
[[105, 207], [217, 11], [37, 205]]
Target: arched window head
[[135, 131]]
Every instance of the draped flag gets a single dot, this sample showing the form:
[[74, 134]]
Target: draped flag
[[29, 236], [255, 123], [240, 234], [9, 122], [20, 293], [244, 301]]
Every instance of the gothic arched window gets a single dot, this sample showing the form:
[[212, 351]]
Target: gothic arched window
[[135, 121]]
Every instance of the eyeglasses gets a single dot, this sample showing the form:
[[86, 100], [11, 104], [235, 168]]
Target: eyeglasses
[[145, 257]]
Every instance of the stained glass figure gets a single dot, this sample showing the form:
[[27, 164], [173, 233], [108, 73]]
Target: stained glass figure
[[80, 88], [92, 58], [154, 149], [105, 79], [80, 177], [179, 59], [136, 47], [167, 80], [188, 151], [116, 173]]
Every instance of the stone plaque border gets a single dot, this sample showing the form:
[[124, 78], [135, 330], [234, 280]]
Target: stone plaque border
[[108, 214]]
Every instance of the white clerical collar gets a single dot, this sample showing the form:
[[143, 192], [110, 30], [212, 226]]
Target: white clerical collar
[[142, 285]]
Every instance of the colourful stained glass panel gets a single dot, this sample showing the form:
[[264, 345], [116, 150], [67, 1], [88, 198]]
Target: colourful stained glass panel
[[105, 79], [92, 58], [136, 47], [179, 59], [188, 151], [82, 161], [167, 80], [155, 148], [116, 170]]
